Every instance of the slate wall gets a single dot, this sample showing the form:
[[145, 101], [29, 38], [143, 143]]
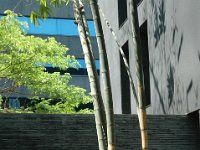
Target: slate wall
[[77, 132]]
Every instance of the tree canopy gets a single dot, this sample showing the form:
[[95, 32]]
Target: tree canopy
[[23, 59]]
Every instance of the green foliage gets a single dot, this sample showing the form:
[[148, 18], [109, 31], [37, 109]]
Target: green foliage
[[45, 9], [61, 107], [14, 110], [1, 100], [22, 60]]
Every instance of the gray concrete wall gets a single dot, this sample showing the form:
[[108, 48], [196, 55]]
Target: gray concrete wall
[[26, 6], [174, 55], [74, 45], [123, 34], [81, 81], [174, 35], [77, 80], [112, 49], [78, 132]]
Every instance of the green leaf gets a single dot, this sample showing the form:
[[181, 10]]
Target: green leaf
[[45, 11], [34, 16], [43, 3]]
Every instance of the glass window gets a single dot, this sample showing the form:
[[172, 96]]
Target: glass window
[[125, 84], [122, 11]]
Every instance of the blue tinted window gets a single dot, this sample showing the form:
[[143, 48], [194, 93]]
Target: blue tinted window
[[80, 71], [82, 64], [56, 27], [65, 27]]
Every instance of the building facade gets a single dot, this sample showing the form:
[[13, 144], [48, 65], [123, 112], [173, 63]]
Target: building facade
[[61, 25], [170, 46], [171, 57]]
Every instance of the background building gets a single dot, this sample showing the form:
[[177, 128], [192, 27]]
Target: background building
[[171, 57], [61, 26], [170, 44]]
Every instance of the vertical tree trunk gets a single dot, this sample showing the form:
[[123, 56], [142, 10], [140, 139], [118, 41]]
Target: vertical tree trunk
[[139, 98], [93, 78], [105, 75], [139, 72], [89, 44], [85, 25]]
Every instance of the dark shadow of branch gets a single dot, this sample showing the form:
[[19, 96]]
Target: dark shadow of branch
[[157, 89], [170, 85], [180, 47], [188, 91], [160, 26]]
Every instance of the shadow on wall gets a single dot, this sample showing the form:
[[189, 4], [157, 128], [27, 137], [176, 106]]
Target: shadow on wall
[[167, 58], [177, 91], [180, 47], [157, 33], [159, 20], [199, 55], [173, 57], [157, 89], [171, 71], [170, 85]]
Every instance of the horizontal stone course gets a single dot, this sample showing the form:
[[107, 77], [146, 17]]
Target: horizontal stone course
[[78, 132]]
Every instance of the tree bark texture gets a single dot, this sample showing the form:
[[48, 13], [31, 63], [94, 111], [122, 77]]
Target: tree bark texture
[[108, 101], [89, 44], [139, 74], [139, 97], [93, 79]]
